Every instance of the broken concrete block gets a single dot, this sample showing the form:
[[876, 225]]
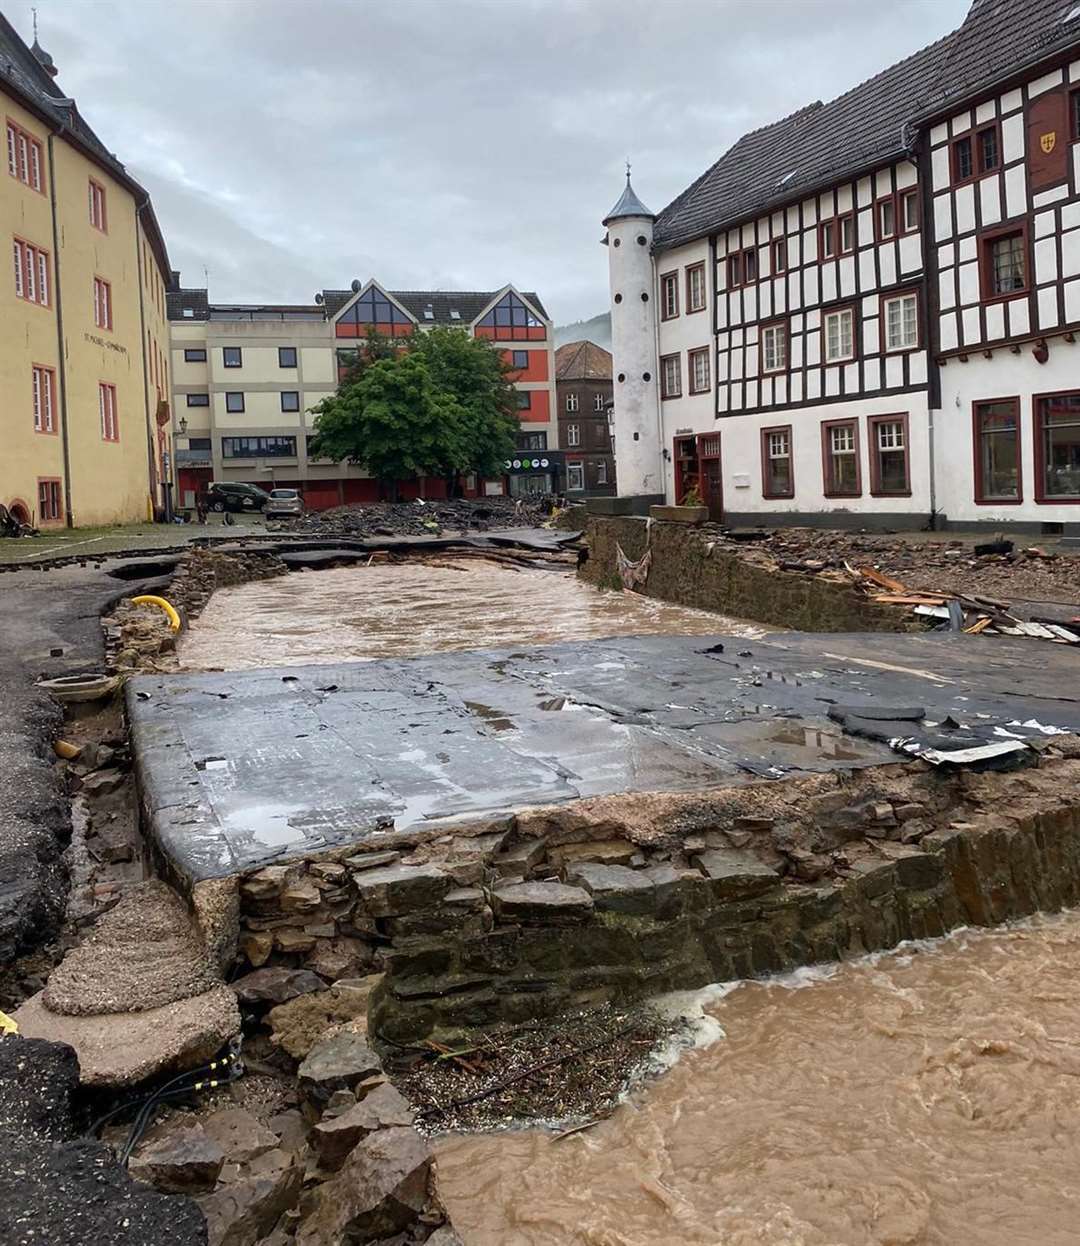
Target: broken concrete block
[[180, 1160], [240, 1135], [383, 1108], [397, 889], [614, 887], [735, 875], [542, 904]]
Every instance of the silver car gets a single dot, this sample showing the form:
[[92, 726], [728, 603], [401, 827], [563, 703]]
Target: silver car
[[284, 503]]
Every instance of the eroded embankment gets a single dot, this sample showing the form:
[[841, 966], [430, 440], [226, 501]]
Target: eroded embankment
[[624, 897], [689, 569]]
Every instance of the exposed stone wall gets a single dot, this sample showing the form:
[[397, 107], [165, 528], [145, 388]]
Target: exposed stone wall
[[690, 570], [622, 897], [136, 637]]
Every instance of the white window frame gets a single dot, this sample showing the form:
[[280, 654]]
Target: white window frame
[[575, 472], [573, 434], [110, 425], [44, 400], [571, 402], [598, 402], [839, 316], [906, 340], [669, 294]]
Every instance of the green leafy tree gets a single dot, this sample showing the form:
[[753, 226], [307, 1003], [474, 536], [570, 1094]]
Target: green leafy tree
[[442, 406], [474, 372], [394, 420]]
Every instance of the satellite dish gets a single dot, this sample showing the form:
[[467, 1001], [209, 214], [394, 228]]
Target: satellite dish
[[356, 285], [319, 299]]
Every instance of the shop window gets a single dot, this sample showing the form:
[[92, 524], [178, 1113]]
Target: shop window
[[1057, 433], [997, 450]]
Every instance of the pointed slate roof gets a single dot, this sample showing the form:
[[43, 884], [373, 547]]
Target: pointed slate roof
[[629, 205]]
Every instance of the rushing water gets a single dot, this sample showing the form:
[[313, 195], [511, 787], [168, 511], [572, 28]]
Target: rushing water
[[413, 608], [927, 1097]]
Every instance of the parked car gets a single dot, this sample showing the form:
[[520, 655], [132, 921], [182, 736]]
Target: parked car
[[284, 503], [235, 496]]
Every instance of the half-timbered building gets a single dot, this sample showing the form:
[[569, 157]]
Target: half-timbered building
[[865, 311]]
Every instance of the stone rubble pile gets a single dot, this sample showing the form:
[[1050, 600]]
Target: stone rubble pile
[[394, 519], [334, 1160]]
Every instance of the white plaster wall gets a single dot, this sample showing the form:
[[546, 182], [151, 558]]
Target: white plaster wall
[[741, 455], [633, 350], [1005, 375]]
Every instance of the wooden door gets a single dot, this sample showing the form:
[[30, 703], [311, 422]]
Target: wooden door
[[712, 486]]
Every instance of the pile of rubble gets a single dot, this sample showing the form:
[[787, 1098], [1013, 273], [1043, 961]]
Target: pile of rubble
[[988, 587], [139, 637], [396, 519], [330, 1157]]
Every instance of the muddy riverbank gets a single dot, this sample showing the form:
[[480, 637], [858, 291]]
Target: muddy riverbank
[[926, 1096]]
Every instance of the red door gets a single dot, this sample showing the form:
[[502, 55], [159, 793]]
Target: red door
[[712, 485]]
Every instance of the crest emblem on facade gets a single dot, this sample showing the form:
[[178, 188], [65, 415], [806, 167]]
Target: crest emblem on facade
[[1048, 141]]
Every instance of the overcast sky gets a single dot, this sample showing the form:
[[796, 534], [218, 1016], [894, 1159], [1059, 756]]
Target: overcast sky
[[292, 145]]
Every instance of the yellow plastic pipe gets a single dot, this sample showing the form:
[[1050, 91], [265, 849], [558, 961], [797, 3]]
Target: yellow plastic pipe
[[150, 600]]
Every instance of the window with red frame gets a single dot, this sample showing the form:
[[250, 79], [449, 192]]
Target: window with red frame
[[669, 296], [670, 377], [1004, 267], [98, 217], [889, 456], [103, 315], [963, 159], [697, 365], [44, 382], [841, 452], [49, 500], [110, 424], [24, 156], [695, 288], [779, 255], [1057, 431], [777, 471], [988, 149], [997, 450], [31, 272]]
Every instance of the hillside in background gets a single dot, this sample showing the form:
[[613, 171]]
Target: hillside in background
[[597, 330]]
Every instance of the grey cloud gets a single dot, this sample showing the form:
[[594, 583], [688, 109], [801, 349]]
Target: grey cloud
[[292, 145]]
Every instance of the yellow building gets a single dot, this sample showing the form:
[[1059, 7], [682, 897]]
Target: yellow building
[[84, 342]]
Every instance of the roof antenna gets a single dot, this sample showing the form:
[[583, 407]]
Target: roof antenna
[[34, 11]]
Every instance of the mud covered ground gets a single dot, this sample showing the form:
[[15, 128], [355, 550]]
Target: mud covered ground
[[420, 518]]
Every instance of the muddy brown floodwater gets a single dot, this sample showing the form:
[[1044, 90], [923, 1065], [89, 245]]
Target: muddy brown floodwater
[[386, 611], [927, 1097]]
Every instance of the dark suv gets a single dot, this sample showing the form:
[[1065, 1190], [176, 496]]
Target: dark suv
[[230, 496]]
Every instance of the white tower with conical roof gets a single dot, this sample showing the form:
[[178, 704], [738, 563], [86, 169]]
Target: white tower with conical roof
[[636, 412]]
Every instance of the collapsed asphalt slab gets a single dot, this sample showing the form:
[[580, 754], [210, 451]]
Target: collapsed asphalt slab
[[246, 768]]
